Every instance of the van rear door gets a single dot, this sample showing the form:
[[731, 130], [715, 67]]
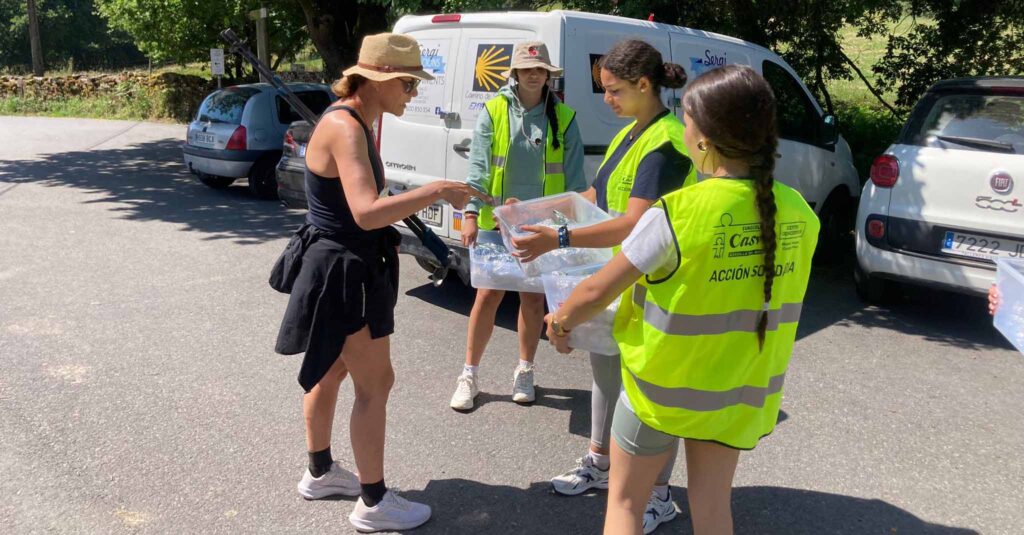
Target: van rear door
[[412, 145]]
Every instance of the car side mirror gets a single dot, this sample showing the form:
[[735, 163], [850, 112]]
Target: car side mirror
[[558, 84], [829, 131]]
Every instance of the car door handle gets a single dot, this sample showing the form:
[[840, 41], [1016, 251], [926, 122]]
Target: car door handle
[[461, 148]]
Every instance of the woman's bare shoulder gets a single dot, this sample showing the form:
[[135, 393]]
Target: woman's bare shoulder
[[339, 127]]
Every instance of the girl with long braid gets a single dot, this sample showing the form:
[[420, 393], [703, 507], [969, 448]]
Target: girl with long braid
[[712, 281]]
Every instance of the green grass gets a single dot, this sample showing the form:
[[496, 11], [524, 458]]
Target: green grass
[[866, 52], [137, 108]]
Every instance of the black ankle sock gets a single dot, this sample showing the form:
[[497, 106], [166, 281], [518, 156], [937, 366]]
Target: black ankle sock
[[320, 462], [373, 493]]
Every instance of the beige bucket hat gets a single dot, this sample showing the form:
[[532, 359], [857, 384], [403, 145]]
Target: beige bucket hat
[[386, 56], [531, 54]]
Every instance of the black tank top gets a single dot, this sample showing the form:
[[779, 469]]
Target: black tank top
[[325, 197]]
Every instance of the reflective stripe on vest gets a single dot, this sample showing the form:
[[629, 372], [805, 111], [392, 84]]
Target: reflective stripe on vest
[[700, 324], [554, 168], [668, 129], [708, 400], [691, 363]]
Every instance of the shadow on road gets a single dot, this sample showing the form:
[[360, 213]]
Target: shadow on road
[[949, 319], [946, 318], [457, 297], [463, 506], [150, 183]]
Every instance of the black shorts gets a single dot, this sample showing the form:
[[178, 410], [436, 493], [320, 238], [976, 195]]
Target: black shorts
[[338, 291]]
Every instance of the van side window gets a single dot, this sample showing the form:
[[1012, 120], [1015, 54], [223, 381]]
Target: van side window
[[798, 120]]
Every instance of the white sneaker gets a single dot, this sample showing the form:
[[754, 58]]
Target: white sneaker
[[658, 511], [393, 513], [337, 481], [584, 477], [465, 392], [522, 385]]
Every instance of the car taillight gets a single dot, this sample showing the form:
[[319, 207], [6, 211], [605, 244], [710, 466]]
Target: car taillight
[[237, 141], [876, 229], [289, 142], [885, 171], [437, 19]]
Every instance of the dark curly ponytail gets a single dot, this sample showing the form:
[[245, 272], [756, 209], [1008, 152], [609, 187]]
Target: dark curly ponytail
[[633, 59], [735, 108]]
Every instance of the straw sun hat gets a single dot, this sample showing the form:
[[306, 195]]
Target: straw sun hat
[[529, 55], [386, 56]]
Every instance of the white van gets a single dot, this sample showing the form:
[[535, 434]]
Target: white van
[[467, 52]]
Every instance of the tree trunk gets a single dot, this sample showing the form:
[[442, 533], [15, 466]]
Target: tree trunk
[[338, 28], [35, 42]]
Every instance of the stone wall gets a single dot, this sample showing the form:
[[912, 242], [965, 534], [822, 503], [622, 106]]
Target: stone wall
[[173, 96]]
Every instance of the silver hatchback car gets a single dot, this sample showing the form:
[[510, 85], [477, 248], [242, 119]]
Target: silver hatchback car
[[239, 130]]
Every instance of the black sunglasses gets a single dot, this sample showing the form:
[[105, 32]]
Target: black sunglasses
[[410, 85]]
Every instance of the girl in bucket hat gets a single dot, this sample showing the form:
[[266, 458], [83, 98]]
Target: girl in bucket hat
[[341, 311], [526, 145]]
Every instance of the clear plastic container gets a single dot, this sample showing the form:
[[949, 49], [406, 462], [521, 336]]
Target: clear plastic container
[[1009, 318], [492, 267], [594, 335], [569, 209]]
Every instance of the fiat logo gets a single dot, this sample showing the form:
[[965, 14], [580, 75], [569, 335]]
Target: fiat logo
[[1001, 182]]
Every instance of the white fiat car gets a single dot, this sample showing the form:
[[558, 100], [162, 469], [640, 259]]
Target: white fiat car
[[947, 198]]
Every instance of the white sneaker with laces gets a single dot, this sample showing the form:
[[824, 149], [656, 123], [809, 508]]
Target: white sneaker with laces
[[658, 511], [465, 392], [584, 477], [522, 385], [336, 481], [393, 513]]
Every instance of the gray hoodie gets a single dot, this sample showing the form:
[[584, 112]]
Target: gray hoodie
[[524, 172]]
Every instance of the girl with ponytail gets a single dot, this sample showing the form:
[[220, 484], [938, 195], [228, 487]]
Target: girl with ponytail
[[712, 280], [647, 159]]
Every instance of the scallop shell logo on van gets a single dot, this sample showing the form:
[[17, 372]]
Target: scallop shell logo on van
[[491, 61], [1001, 182]]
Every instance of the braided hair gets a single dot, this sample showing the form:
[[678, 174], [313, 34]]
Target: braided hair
[[735, 108], [549, 110]]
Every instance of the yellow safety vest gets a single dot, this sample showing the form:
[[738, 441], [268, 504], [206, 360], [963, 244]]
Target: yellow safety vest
[[554, 172], [668, 129], [690, 360]]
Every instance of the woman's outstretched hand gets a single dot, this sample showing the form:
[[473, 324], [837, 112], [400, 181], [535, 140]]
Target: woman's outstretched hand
[[457, 193]]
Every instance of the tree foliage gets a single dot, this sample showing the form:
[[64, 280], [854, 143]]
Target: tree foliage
[[184, 30], [70, 30], [967, 38]]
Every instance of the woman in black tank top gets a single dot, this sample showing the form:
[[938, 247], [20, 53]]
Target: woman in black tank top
[[341, 310]]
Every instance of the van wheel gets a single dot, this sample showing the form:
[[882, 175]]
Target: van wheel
[[871, 290], [216, 182], [835, 240], [263, 179]]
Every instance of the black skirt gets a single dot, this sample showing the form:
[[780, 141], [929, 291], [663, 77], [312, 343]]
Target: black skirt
[[343, 285]]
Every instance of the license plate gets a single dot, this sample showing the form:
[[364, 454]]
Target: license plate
[[431, 215], [982, 247], [203, 137], [302, 151]]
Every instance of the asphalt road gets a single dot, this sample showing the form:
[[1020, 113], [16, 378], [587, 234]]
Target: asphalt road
[[139, 392]]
